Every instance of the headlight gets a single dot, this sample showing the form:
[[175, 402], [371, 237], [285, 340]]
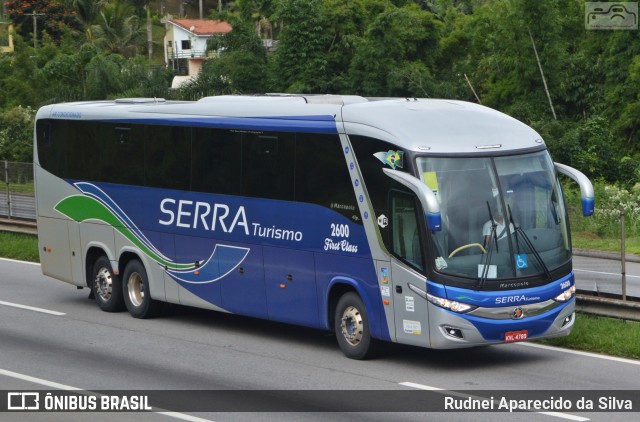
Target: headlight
[[566, 295], [451, 305]]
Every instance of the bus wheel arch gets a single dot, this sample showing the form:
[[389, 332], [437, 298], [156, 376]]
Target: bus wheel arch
[[135, 287], [105, 284]]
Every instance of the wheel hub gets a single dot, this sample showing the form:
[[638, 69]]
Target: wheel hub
[[352, 327], [103, 283], [135, 289]]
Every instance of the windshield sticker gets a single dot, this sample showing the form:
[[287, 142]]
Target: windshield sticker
[[521, 261], [492, 271], [391, 158], [430, 178]]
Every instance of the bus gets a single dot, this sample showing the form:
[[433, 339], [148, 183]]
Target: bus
[[434, 223]]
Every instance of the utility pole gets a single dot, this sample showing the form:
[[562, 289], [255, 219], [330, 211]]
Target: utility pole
[[35, 27]]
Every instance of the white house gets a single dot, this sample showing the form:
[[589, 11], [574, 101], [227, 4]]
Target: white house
[[186, 45]]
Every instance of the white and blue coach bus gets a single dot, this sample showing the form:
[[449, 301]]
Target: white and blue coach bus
[[433, 223]]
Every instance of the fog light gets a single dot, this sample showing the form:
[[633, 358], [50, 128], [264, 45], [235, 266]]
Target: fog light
[[567, 320], [454, 332]]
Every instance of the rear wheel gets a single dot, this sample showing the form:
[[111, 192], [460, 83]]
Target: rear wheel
[[135, 288], [106, 286], [351, 325]]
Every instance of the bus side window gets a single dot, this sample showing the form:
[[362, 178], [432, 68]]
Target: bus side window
[[405, 229], [268, 165]]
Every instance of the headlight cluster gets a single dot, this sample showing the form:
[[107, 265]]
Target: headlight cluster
[[566, 295], [451, 305]]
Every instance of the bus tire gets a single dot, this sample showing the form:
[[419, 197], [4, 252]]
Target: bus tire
[[135, 289], [351, 325], [106, 286]]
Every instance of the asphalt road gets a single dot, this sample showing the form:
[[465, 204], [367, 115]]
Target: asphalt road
[[604, 275], [78, 346]]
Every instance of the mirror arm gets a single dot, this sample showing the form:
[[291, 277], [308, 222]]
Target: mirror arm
[[586, 188], [425, 195]]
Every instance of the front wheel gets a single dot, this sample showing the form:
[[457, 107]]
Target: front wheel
[[135, 288], [351, 325], [106, 286]]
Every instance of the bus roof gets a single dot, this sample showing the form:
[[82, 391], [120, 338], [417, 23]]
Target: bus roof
[[431, 126]]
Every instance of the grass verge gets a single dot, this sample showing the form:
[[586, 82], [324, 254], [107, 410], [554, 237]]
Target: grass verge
[[598, 334], [588, 240], [19, 246]]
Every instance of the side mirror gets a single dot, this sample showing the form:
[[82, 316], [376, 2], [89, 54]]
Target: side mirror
[[586, 188], [426, 197]]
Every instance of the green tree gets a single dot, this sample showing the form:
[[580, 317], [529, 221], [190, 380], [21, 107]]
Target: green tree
[[398, 53], [118, 29], [87, 13], [57, 17], [16, 134], [299, 63]]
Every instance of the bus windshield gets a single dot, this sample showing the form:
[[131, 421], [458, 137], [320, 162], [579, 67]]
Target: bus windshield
[[502, 217]]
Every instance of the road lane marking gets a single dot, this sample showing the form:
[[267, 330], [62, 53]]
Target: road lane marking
[[58, 386], [581, 353], [421, 386], [461, 395], [32, 308], [35, 380], [19, 262], [603, 273]]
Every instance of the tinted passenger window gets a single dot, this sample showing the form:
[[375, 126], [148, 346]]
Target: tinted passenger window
[[52, 146], [269, 162], [217, 161], [167, 157], [322, 176]]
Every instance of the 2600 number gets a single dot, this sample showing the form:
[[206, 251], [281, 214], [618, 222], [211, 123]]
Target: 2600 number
[[339, 230]]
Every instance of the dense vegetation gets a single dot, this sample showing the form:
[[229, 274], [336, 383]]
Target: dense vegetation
[[586, 106]]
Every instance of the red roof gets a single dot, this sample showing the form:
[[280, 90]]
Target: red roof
[[202, 26]]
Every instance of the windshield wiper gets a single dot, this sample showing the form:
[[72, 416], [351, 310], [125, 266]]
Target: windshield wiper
[[529, 245], [493, 236]]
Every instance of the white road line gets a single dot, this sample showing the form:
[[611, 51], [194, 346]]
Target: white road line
[[578, 352], [183, 416], [565, 416], [32, 308], [455, 393], [603, 273], [35, 380], [58, 386], [20, 262], [420, 386]]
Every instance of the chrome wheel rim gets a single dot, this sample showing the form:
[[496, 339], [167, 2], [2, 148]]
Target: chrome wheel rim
[[103, 284], [352, 325], [135, 288]]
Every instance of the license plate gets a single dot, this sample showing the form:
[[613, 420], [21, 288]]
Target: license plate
[[512, 336]]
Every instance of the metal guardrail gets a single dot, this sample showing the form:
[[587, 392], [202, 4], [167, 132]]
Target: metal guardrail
[[609, 307], [17, 198]]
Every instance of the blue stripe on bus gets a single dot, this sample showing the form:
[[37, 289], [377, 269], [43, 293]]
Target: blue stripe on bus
[[308, 124]]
